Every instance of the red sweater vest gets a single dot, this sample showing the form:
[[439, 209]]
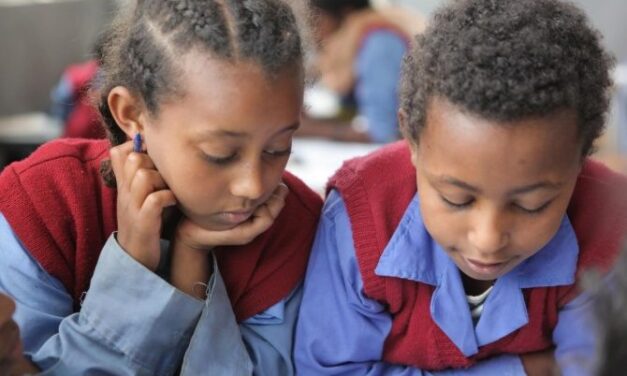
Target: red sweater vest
[[63, 214], [377, 189]]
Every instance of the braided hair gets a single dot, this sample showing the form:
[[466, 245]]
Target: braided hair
[[142, 45], [506, 60]]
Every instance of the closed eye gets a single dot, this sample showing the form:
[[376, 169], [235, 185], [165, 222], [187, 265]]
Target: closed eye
[[537, 210], [279, 153], [457, 205], [220, 161]]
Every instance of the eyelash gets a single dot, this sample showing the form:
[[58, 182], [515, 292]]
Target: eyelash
[[468, 203], [222, 161], [537, 210], [455, 205]]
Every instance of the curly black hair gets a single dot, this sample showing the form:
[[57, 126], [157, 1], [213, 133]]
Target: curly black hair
[[144, 43], [506, 60]]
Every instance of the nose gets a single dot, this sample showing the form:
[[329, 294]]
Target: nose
[[489, 233], [248, 182]]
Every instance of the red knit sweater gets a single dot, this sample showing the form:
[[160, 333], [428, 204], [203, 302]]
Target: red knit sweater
[[377, 189], [58, 207]]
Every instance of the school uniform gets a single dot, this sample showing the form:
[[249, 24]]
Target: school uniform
[[382, 297], [85, 306]]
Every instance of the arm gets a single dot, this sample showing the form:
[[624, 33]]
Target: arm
[[378, 70], [340, 330], [260, 345], [114, 332], [575, 337], [269, 336]]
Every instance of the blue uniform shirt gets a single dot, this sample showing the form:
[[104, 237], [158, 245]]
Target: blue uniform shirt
[[377, 70], [342, 331], [132, 322]]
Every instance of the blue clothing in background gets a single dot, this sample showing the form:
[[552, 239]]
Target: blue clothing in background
[[342, 331], [378, 69], [132, 322]]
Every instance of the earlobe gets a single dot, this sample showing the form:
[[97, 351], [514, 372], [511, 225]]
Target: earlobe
[[402, 119], [413, 147], [127, 110], [414, 155]]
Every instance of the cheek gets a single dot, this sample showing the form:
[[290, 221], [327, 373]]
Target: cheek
[[272, 176], [444, 226], [535, 232]]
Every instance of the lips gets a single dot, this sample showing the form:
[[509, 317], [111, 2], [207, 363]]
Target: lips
[[235, 217], [489, 270]]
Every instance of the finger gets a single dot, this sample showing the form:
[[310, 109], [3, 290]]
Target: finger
[[134, 163], [10, 334], [244, 233], [7, 307], [145, 182], [276, 202], [156, 202], [118, 155]]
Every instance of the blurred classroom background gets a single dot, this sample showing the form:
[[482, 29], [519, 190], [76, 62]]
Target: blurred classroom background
[[39, 39]]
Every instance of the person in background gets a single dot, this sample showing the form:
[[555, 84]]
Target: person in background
[[610, 315], [179, 245], [359, 56], [72, 102], [458, 250]]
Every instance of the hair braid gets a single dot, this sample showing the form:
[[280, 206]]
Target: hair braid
[[144, 44]]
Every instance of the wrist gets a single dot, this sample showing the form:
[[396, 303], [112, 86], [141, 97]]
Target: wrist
[[191, 269]]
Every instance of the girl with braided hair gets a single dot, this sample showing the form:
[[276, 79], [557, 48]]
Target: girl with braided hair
[[188, 256], [458, 250]]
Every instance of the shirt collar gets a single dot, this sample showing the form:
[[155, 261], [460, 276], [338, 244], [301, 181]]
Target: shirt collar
[[412, 254]]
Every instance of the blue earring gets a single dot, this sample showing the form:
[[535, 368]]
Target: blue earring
[[137, 143]]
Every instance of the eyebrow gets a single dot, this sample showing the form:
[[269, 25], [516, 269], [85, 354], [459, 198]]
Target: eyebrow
[[517, 191], [240, 135]]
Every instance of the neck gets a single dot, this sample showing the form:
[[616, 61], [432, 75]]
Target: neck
[[474, 286]]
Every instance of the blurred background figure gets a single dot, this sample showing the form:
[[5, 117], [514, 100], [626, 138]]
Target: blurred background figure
[[357, 62], [72, 104], [611, 317], [39, 40]]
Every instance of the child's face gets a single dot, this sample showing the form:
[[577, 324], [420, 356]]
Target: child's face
[[492, 194], [223, 146]]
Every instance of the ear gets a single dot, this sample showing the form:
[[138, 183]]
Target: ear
[[413, 147], [401, 115], [127, 110]]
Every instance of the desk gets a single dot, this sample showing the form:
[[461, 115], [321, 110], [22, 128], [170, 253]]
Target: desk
[[21, 134], [315, 160]]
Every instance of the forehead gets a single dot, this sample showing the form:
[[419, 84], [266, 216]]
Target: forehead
[[202, 74], [469, 145], [235, 94]]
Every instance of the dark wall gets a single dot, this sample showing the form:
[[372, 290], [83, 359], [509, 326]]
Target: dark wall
[[37, 40]]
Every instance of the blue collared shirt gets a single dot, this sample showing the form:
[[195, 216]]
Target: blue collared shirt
[[377, 70], [341, 331], [132, 322]]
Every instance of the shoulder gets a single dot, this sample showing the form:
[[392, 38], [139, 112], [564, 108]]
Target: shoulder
[[382, 38], [599, 192], [60, 172], [302, 198], [389, 162], [598, 212], [60, 153]]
